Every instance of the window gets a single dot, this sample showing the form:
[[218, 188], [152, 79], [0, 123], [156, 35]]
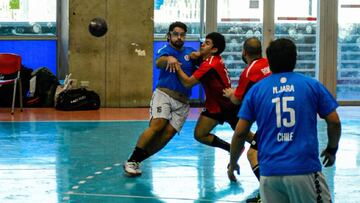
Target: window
[[168, 11], [237, 21], [28, 28], [348, 69], [296, 20], [28, 17]]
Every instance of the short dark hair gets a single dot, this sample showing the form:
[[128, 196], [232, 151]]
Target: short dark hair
[[218, 41], [252, 46], [177, 24], [281, 55]]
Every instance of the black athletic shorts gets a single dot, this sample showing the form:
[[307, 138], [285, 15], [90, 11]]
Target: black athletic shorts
[[253, 143], [226, 116]]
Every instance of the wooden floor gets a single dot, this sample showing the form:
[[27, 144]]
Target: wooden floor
[[55, 156]]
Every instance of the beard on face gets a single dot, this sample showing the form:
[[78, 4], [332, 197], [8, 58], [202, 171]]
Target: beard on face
[[178, 43]]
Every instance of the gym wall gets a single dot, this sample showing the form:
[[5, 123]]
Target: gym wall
[[118, 65]]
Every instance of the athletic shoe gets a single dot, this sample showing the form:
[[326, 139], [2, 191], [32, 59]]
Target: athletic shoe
[[132, 168], [254, 199]]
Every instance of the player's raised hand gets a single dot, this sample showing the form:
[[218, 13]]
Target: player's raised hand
[[177, 67], [172, 62]]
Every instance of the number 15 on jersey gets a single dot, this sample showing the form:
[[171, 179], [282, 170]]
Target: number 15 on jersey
[[281, 108]]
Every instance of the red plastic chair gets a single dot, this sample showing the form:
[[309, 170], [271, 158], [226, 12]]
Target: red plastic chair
[[10, 65]]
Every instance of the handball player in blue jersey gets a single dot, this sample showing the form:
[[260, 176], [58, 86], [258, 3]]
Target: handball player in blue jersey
[[169, 106], [285, 106]]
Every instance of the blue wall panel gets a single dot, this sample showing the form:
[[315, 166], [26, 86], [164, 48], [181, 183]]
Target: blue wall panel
[[34, 53]]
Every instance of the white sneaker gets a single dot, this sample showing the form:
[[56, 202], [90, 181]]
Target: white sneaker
[[132, 168]]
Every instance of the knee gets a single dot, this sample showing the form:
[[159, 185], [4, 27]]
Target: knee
[[198, 137]]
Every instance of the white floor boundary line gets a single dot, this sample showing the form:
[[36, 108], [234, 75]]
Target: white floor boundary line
[[146, 197]]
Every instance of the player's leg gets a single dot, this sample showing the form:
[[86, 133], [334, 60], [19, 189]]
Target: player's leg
[[160, 115], [252, 157], [149, 136], [307, 188], [202, 133], [161, 140], [252, 154], [273, 190], [143, 149], [178, 114], [253, 160]]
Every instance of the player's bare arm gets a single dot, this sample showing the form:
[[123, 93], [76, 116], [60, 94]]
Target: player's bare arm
[[195, 55], [185, 79], [168, 62], [334, 133], [237, 145]]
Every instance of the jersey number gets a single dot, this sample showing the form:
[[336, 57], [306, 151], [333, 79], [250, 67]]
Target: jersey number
[[282, 106]]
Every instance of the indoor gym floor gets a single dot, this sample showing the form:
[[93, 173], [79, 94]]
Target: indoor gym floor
[[53, 156]]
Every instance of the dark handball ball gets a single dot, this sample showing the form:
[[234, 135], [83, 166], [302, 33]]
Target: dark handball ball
[[98, 27]]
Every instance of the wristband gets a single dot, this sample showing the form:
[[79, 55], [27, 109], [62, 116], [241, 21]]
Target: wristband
[[331, 150]]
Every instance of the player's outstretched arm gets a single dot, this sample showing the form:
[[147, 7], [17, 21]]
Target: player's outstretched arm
[[195, 55], [334, 133], [237, 145], [167, 62], [185, 79]]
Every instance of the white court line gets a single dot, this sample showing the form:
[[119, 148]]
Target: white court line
[[66, 198], [148, 197]]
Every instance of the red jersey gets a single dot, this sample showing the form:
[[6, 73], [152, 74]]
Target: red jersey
[[214, 77], [254, 72]]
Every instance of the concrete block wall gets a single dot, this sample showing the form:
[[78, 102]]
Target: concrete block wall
[[119, 64]]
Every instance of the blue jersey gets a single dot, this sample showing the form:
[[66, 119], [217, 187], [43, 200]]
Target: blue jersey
[[170, 80], [285, 107]]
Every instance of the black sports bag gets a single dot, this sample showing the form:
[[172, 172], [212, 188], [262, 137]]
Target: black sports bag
[[78, 99]]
